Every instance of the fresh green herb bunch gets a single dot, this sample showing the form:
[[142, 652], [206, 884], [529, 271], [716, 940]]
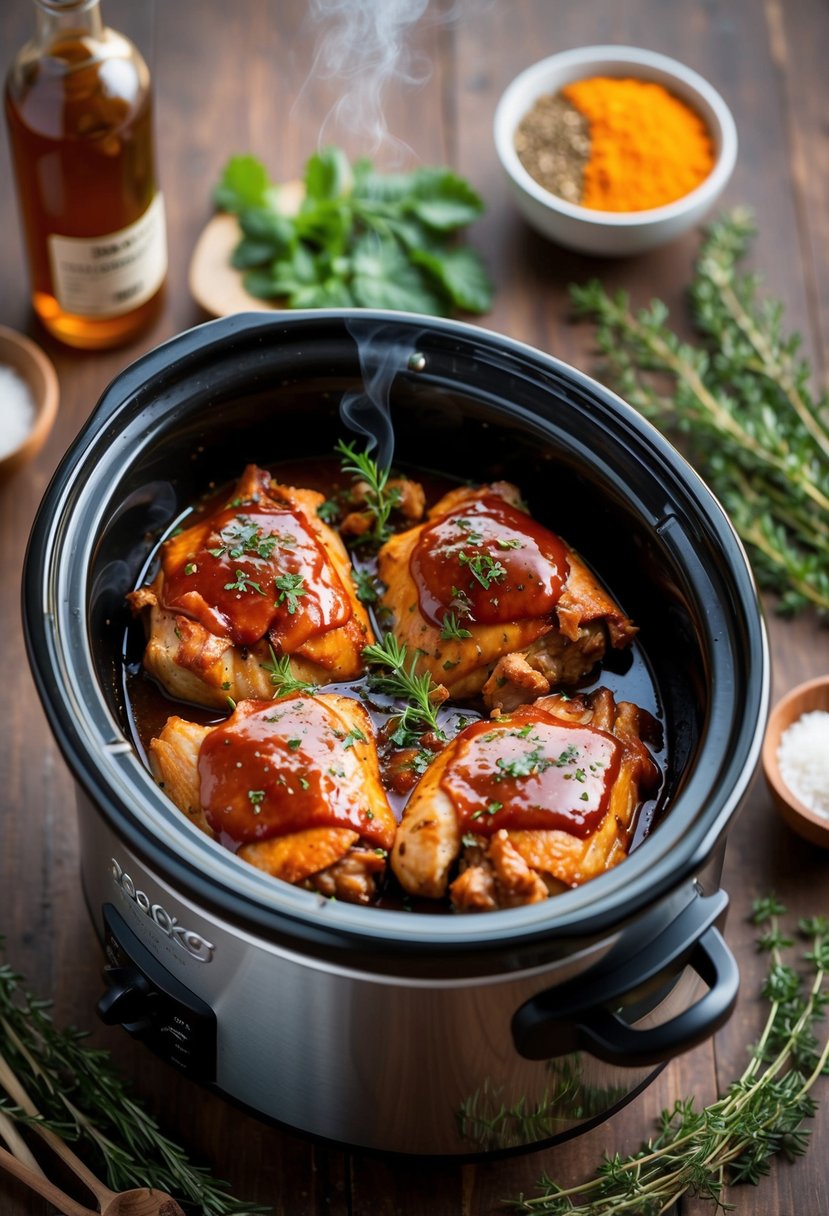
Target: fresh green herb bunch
[[734, 1140], [78, 1095], [360, 237], [741, 400]]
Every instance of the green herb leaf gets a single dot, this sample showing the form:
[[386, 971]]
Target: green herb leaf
[[359, 237], [283, 678], [244, 183]]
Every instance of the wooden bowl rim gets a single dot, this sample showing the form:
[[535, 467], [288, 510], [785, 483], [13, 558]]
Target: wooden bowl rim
[[813, 694], [36, 368]]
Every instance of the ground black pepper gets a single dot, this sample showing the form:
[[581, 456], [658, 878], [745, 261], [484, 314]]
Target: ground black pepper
[[553, 144]]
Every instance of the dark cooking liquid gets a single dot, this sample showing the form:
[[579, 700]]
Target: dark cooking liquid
[[626, 673]]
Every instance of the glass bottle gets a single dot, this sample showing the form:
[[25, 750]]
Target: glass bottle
[[79, 111]]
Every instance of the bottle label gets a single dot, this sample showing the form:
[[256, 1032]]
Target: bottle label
[[104, 276]]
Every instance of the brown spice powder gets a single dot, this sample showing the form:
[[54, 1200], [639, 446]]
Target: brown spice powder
[[553, 144]]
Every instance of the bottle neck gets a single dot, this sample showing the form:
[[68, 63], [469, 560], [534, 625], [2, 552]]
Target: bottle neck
[[57, 18]]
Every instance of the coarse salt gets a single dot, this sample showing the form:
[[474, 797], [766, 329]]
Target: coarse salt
[[803, 757], [17, 410]]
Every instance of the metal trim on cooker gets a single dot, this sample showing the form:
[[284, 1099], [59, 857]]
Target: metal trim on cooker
[[104, 764]]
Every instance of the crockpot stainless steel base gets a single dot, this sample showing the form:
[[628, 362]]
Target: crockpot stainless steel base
[[381, 1028]]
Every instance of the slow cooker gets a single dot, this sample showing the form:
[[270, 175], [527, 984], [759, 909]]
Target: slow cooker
[[379, 1027]]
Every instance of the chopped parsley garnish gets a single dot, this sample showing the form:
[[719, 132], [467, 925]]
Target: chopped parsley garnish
[[243, 583], [244, 536], [508, 544], [522, 766], [355, 735], [293, 744], [483, 567], [255, 797], [290, 588], [190, 568]]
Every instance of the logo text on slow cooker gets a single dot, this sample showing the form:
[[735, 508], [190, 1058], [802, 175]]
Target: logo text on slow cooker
[[195, 945]]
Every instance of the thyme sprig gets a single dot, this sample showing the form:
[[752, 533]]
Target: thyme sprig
[[396, 676], [741, 399], [380, 500], [734, 1139], [73, 1090], [282, 677]]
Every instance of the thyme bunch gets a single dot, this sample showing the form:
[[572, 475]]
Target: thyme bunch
[[734, 1139], [740, 398], [73, 1090]]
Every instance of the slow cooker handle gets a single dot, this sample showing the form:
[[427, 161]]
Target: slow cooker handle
[[583, 1014], [607, 1036]]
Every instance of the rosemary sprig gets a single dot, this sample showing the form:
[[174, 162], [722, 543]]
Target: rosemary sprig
[[734, 1139], [282, 677], [380, 501], [398, 679], [740, 398], [78, 1095]]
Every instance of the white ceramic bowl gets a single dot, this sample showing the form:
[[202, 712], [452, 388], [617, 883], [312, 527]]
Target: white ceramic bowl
[[612, 232]]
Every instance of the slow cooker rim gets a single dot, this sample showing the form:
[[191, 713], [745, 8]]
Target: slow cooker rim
[[496, 928]]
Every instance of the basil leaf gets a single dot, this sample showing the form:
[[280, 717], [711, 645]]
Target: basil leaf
[[327, 175], [244, 183], [385, 278], [462, 275]]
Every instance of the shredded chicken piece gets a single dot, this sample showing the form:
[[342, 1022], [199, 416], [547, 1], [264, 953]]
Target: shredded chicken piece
[[502, 879], [352, 879]]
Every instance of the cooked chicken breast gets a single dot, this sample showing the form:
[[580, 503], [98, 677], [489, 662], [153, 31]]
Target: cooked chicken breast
[[490, 601], [527, 804], [292, 786], [259, 579]]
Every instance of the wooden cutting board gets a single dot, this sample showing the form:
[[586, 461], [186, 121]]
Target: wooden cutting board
[[213, 282]]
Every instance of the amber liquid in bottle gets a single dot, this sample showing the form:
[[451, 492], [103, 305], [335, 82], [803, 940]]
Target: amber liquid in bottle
[[80, 123]]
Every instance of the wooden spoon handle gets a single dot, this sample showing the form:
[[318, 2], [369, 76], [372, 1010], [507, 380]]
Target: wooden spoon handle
[[81, 1171], [36, 1182]]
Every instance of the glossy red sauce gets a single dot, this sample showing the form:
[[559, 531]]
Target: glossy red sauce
[[280, 767], [532, 770], [488, 563], [254, 570]]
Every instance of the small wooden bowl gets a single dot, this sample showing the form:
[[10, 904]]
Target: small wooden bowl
[[814, 694], [36, 368]]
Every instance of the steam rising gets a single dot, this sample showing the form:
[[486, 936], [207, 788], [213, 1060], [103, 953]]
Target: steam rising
[[383, 350], [363, 44]]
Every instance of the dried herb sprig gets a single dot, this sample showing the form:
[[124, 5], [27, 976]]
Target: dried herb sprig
[[78, 1094], [741, 400], [734, 1139]]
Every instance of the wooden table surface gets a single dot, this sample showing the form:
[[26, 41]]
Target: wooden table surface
[[229, 78]]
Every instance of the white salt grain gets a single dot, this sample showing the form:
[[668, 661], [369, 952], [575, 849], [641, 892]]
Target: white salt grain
[[17, 410], [803, 757]]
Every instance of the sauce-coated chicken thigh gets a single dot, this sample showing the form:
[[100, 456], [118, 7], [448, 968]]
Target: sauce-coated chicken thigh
[[259, 580], [493, 602], [292, 786]]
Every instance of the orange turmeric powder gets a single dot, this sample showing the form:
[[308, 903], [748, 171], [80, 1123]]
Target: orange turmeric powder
[[647, 147]]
